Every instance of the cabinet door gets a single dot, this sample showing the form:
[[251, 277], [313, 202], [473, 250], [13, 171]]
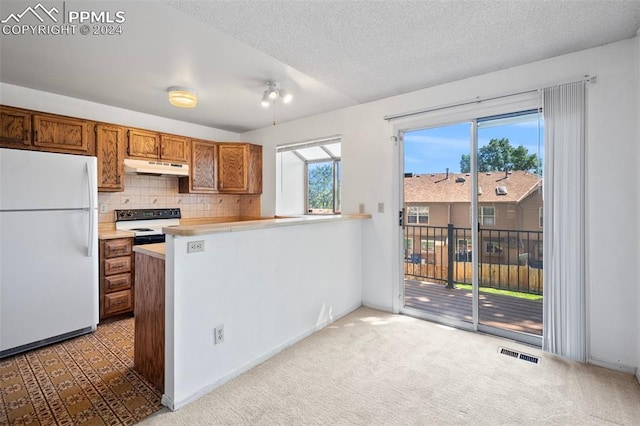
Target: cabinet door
[[233, 170], [110, 153], [255, 169], [174, 149], [15, 127], [61, 134], [202, 176], [143, 144]]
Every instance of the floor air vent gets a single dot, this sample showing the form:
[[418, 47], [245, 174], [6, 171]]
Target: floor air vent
[[514, 354], [508, 352]]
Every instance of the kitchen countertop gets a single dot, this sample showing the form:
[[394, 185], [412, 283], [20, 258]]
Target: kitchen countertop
[[111, 234], [191, 230], [156, 250]]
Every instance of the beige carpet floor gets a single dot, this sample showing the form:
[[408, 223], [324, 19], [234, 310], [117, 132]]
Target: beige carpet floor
[[375, 368]]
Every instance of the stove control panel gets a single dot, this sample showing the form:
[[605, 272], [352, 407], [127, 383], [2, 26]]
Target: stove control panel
[[147, 214]]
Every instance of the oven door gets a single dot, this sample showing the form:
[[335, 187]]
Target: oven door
[[148, 239]]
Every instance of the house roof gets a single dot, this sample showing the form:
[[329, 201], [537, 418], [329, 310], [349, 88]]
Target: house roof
[[437, 188]]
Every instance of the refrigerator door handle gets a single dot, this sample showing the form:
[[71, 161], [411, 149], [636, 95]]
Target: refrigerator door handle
[[92, 208]]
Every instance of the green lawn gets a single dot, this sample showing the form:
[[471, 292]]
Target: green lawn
[[503, 292]]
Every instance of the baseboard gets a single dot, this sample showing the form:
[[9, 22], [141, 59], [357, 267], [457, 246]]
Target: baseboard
[[388, 309], [631, 369], [175, 405], [167, 402]]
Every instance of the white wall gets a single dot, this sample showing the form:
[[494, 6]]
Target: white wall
[[290, 191], [371, 175], [269, 287], [638, 208], [22, 97]]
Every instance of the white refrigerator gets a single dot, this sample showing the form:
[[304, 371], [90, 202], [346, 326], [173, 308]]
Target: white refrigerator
[[48, 248]]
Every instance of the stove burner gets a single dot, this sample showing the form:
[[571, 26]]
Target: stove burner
[[141, 229]]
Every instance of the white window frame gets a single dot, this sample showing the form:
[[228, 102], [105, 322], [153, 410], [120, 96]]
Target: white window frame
[[330, 155], [495, 246], [540, 217], [482, 216], [417, 212], [336, 187], [408, 247]]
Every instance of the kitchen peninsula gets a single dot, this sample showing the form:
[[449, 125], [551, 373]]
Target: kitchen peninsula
[[268, 283]]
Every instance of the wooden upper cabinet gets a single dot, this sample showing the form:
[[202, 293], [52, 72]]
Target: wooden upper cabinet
[[62, 134], [240, 168], [174, 148], [232, 167], [202, 174], [255, 169], [143, 144], [156, 146], [110, 153], [15, 127]]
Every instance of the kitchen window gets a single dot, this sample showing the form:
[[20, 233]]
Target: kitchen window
[[309, 177]]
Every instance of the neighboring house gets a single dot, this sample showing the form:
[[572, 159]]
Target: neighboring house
[[509, 216]]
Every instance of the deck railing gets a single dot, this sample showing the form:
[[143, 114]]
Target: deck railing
[[508, 259]]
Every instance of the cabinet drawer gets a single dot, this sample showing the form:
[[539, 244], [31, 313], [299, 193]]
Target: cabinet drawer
[[117, 282], [120, 301], [117, 265], [118, 247]]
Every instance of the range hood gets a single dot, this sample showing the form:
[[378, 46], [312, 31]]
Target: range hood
[[155, 167]]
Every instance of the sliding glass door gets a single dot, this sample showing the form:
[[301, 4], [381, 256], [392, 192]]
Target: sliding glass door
[[437, 228], [472, 228]]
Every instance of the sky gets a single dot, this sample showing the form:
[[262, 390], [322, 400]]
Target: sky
[[433, 150]]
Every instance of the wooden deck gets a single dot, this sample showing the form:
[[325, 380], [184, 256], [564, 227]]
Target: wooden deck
[[495, 310]]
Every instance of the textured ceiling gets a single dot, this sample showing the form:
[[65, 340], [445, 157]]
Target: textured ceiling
[[330, 54], [371, 50]]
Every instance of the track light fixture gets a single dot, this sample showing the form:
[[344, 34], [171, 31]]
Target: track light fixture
[[274, 91]]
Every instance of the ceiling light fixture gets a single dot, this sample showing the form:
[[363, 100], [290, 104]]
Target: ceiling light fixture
[[272, 93], [182, 97]]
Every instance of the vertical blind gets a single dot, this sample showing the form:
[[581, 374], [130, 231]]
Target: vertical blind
[[564, 306]]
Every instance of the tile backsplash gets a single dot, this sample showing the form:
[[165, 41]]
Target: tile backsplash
[[143, 191]]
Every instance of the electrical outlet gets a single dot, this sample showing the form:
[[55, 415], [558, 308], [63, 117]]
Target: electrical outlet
[[207, 206], [218, 334], [380, 207], [103, 207], [195, 246], [361, 208]]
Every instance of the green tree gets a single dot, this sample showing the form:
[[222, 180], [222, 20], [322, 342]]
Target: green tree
[[500, 155], [321, 186]]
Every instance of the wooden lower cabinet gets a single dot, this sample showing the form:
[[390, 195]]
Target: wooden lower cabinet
[[116, 277], [118, 302], [148, 354]]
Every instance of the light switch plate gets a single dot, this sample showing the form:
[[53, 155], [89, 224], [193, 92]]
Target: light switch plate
[[380, 207]]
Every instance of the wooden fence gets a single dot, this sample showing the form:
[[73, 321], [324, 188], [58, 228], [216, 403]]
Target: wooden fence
[[520, 278]]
